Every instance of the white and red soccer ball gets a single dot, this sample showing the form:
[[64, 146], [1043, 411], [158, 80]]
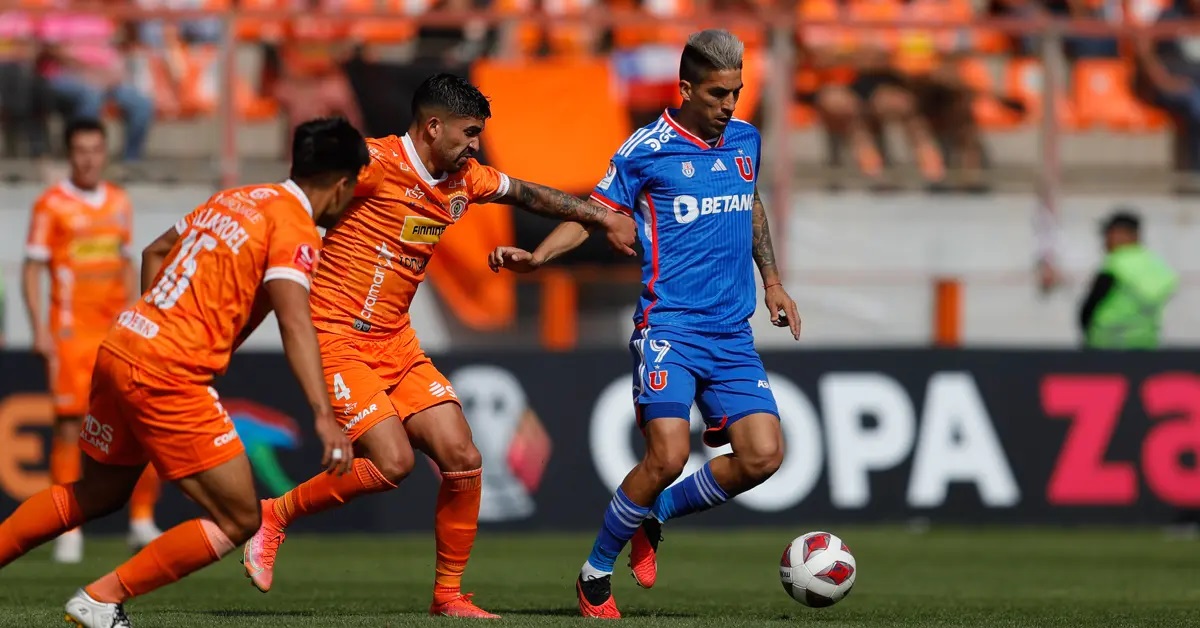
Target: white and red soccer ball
[[817, 569]]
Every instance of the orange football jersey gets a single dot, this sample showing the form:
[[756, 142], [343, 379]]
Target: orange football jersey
[[375, 258], [84, 237], [186, 323]]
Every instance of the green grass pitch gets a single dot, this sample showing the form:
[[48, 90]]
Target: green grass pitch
[[952, 578]]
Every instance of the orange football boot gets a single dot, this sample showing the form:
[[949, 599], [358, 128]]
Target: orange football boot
[[596, 598], [461, 607], [643, 553]]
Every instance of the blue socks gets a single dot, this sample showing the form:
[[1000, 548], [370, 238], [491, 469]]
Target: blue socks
[[621, 520], [699, 491], [695, 493]]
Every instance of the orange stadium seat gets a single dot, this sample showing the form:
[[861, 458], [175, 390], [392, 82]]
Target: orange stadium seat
[[554, 121], [989, 113], [886, 37], [921, 49], [1103, 97], [378, 31], [822, 35], [1024, 78], [561, 39], [809, 79], [259, 29], [196, 90]]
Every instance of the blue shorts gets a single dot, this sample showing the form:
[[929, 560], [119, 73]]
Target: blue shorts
[[720, 372]]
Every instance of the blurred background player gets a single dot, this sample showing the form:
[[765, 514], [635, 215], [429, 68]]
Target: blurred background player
[[388, 394], [152, 398], [79, 236], [696, 200]]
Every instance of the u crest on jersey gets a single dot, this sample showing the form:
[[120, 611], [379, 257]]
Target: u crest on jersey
[[745, 167], [657, 380], [688, 170]]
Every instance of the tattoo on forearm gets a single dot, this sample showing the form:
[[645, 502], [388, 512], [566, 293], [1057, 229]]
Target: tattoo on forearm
[[555, 204], [764, 254]]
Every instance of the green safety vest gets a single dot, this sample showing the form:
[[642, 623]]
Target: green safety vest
[[1131, 315]]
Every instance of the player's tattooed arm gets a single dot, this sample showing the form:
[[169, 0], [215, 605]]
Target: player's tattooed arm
[[780, 306], [764, 253], [552, 203]]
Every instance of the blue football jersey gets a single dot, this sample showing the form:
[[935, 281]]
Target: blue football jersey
[[693, 204]]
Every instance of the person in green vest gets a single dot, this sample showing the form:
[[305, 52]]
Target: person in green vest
[[1124, 308]]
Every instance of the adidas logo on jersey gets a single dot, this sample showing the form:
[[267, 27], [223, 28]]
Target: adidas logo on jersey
[[719, 166]]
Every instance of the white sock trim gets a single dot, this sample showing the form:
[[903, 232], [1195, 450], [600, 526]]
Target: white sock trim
[[588, 572]]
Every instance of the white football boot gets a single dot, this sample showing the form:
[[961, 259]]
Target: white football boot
[[84, 612]]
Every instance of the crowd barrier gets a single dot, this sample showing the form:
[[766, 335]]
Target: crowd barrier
[[1033, 437]]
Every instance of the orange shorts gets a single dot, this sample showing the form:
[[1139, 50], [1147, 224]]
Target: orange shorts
[[137, 416], [371, 380], [71, 374]]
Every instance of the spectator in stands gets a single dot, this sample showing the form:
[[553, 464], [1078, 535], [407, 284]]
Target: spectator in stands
[[312, 82], [1074, 46], [84, 70], [457, 45], [879, 94], [167, 46], [1124, 308], [159, 32], [1166, 76], [947, 103], [22, 94]]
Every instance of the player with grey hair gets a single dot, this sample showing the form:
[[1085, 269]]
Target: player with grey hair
[[691, 180], [716, 48], [710, 81]]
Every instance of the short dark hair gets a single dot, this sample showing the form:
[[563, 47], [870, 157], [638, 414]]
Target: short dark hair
[[1123, 218], [453, 94], [82, 125], [326, 149]]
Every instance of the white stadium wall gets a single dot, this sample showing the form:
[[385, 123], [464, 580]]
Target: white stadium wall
[[860, 266]]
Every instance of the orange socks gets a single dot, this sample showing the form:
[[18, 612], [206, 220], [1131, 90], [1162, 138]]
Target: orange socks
[[180, 551], [327, 490], [41, 518], [66, 463], [145, 496], [66, 466], [456, 521]]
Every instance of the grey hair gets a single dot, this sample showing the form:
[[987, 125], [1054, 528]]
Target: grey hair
[[717, 48]]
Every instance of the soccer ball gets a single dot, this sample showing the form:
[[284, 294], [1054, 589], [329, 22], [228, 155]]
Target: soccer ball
[[817, 569]]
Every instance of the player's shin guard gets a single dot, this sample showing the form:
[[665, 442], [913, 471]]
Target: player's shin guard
[[186, 548], [621, 520], [456, 523], [698, 492], [41, 518], [145, 496], [327, 490]]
